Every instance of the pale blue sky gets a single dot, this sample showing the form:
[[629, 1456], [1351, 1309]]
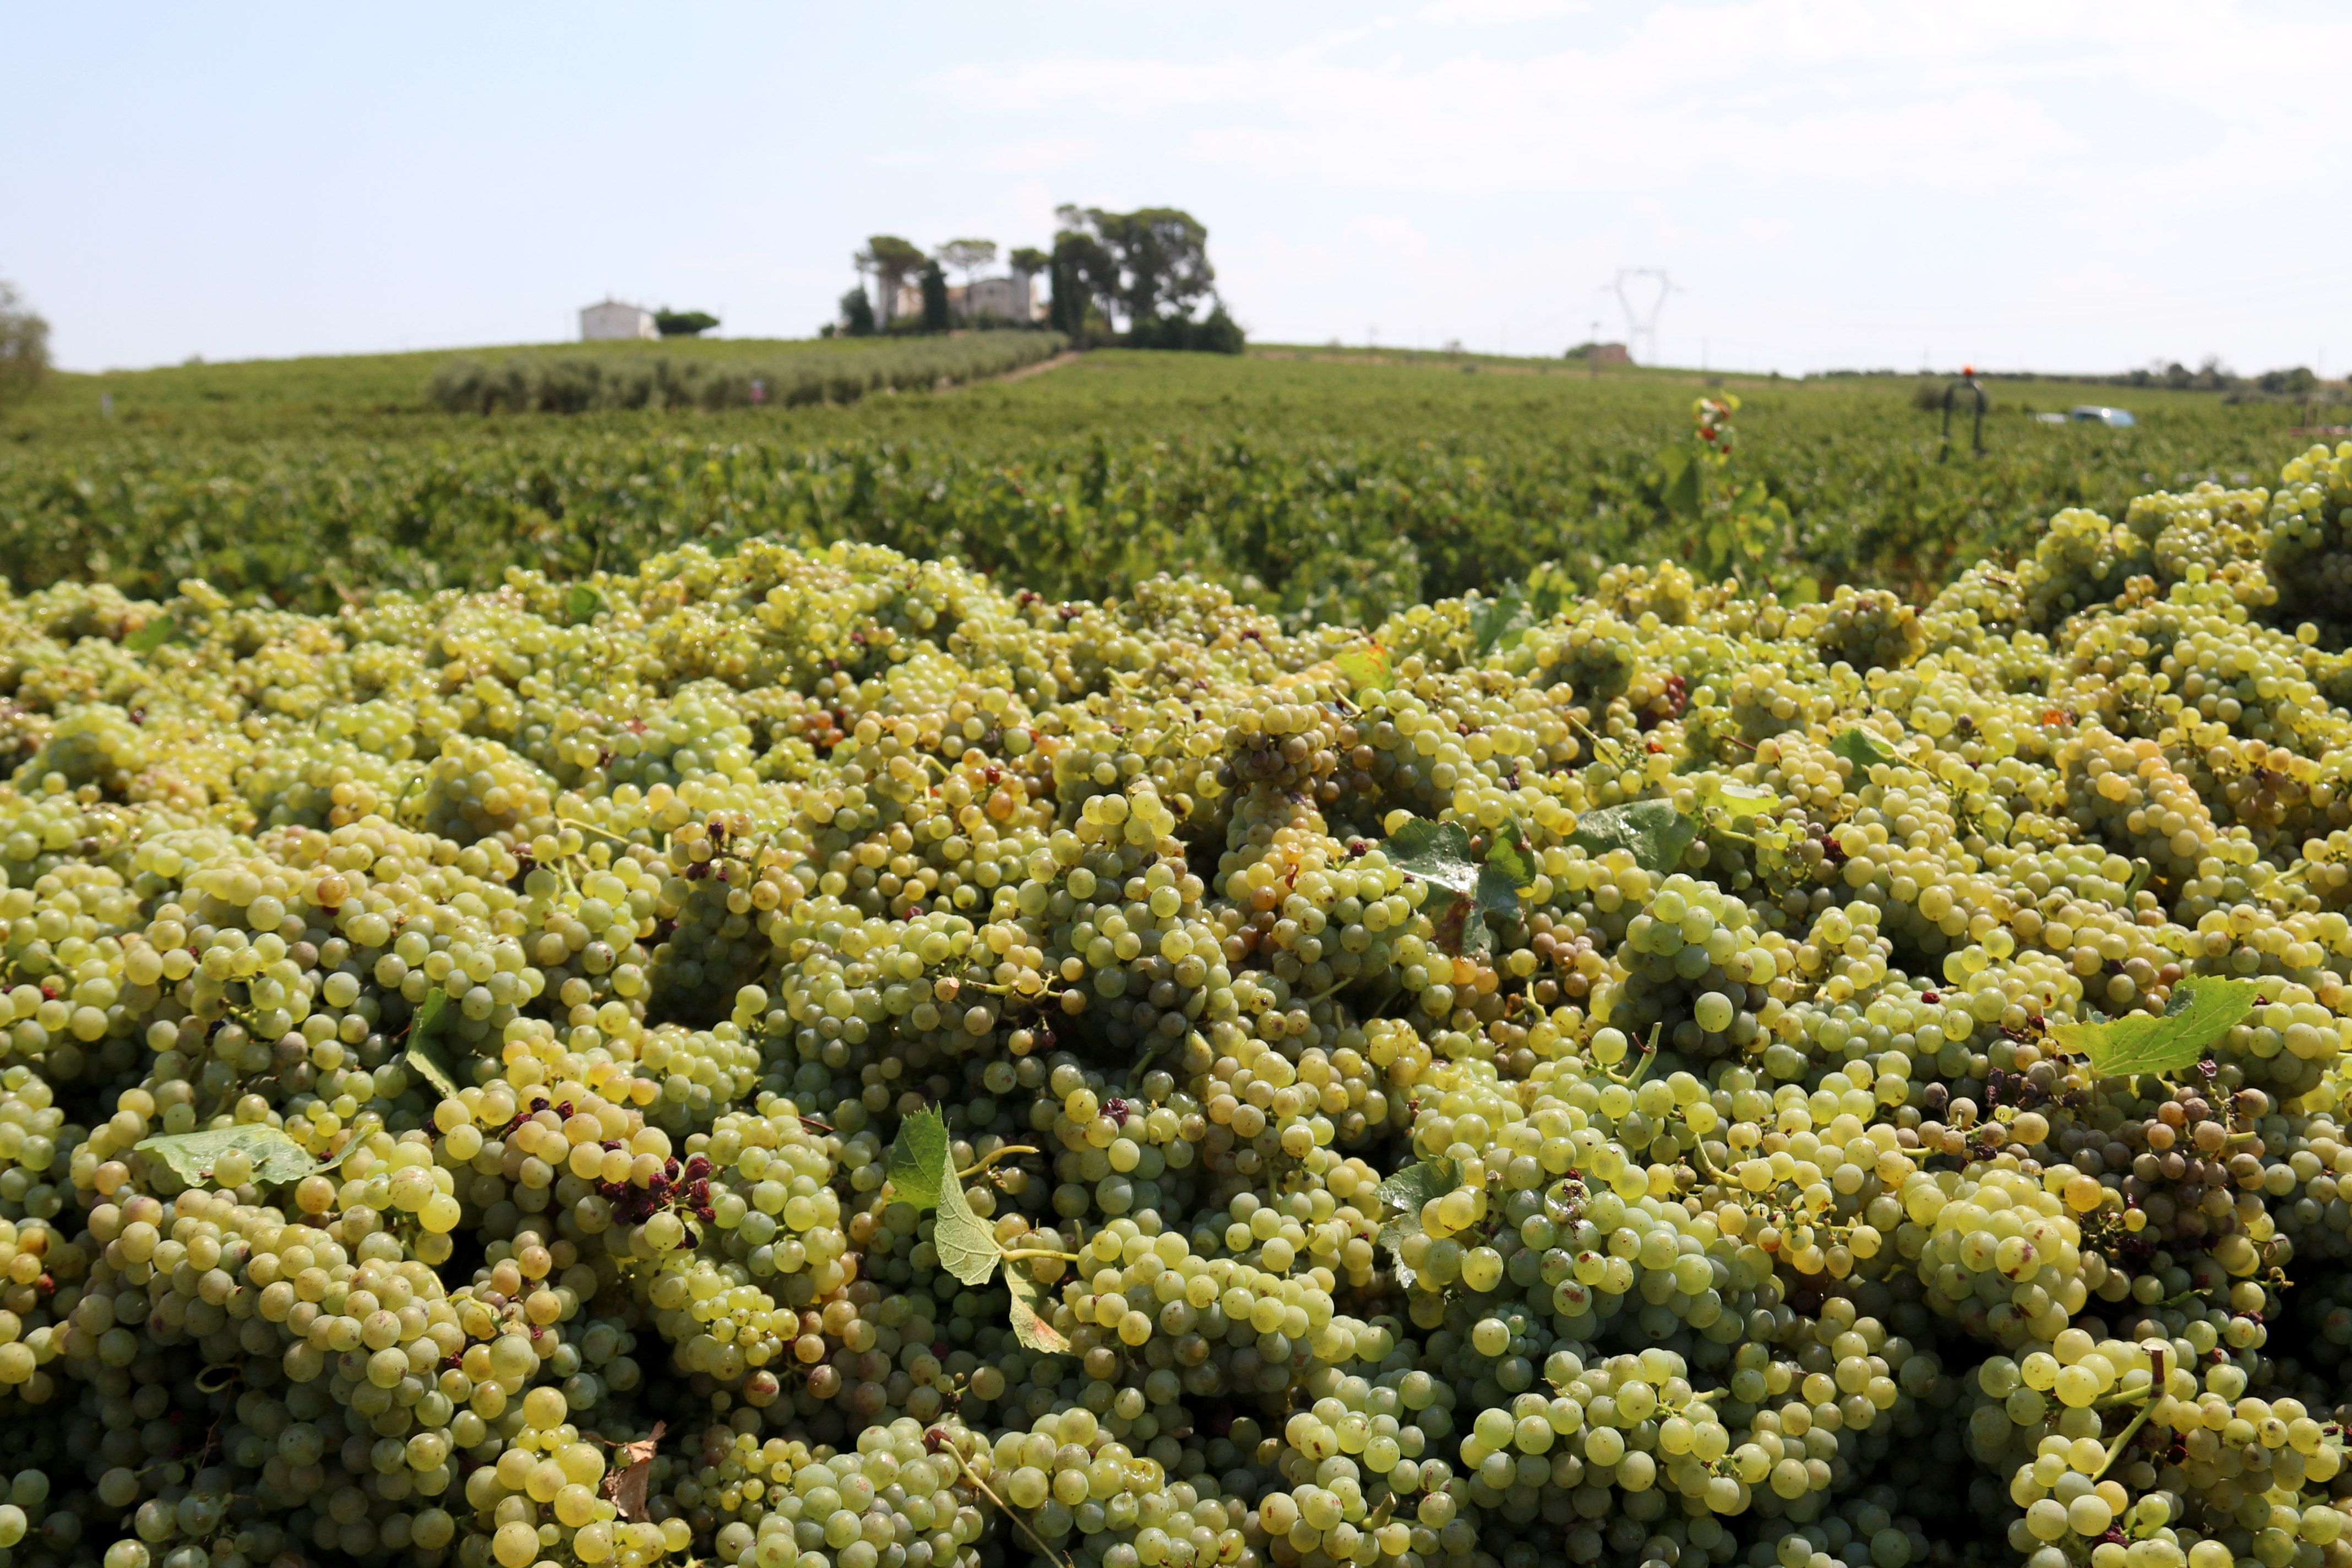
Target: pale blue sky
[[2052, 184]]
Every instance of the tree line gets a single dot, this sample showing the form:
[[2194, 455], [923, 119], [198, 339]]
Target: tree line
[[1139, 278], [24, 346]]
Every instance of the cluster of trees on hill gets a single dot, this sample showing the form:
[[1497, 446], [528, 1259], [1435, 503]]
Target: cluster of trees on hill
[[2295, 382], [24, 346], [1137, 278], [1148, 270]]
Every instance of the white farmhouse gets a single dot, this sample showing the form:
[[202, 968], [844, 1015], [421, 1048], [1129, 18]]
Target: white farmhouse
[[610, 318], [1010, 298]]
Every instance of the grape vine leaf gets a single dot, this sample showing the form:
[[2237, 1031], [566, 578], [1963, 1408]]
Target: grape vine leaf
[[2200, 1012], [921, 1170], [425, 1054], [1550, 587], [918, 1159], [1653, 829], [1678, 477], [965, 1242], [1366, 666], [1412, 1188], [154, 635], [1409, 1190], [1439, 853], [276, 1157], [583, 601], [1736, 800], [1508, 855], [1860, 747], [1500, 622], [1436, 852], [1032, 1313]]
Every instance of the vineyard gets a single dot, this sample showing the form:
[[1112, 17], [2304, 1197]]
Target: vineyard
[[1267, 963], [1339, 490], [542, 382]]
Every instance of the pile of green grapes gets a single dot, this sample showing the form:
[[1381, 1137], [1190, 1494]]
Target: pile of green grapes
[[821, 1061]]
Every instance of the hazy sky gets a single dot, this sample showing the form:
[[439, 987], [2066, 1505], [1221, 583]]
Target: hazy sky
[[2049, 184]]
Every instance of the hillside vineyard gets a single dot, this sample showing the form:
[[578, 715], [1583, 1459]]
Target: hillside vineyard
[[1318, 492], [821, 1061]]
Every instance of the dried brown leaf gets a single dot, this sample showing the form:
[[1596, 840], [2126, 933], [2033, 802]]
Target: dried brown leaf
[[625, 1483]]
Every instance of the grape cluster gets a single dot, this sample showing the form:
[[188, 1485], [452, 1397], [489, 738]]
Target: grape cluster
[[1634, 1087]]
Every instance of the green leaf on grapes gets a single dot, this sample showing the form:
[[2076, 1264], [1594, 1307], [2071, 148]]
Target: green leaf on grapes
[[1032, 1312], [1366, 666], [2200, 1011], [426, 1054], [1408, 1191], [1440, 854], [1412, 1187], [154, 635], [1653, 829], [1464, 931], [1677, 476], [276, 1157], [965, 1242], [921, 1169], [1436, 852], [918, 1159], [1498, 894], [1499, 622], [1550, 587], [1738, 801], [1391, 1239], [1496, 898], [1508, 855], [583, 601], [1860, 747]]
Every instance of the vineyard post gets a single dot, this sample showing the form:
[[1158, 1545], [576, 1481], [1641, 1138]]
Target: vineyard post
[[1968, 380]]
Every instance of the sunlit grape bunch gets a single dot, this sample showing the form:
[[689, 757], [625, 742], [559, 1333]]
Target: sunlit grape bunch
[[819, 1060]]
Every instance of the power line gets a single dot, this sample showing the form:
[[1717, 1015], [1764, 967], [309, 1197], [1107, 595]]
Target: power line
[[1642, 320]]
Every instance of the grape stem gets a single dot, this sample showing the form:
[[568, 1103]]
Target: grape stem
[[591, 828], [2131, 1396], [1649, 1058], [1135, 1075], [1600, 741], [2124, 1438], [1040, 1252], [992, 990], [994, 1155], [966, 1471], [1706, 1164]]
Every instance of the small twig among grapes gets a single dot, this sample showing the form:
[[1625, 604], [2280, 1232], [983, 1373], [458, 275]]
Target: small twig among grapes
[[994, 1155], [1010, 1512]]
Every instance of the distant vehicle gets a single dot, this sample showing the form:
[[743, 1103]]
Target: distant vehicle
[[2093, 414]]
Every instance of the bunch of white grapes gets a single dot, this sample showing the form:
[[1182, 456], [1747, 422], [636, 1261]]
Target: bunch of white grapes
[[816, 1060]]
